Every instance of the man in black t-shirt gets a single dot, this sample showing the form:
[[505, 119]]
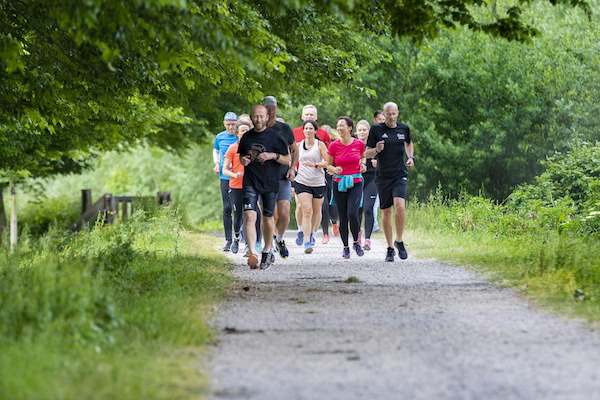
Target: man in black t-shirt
[[262, 153], [390, 142], [284, 193]]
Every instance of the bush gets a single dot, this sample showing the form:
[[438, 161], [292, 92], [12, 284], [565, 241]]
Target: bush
[[36, 217]]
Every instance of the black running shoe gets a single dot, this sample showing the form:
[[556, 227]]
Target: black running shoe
[[265, 261], [235, 246], [346, 252], [227, 246], [358, 249], [389, 257], [271, 257], [283, 250], [401, 250]]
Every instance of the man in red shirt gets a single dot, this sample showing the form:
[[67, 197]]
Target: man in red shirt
[[309, 113]]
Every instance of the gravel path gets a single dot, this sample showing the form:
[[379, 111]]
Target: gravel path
[[416, 329]]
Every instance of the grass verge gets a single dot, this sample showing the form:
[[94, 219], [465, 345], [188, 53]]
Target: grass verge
[[117, 313], [560, 270]]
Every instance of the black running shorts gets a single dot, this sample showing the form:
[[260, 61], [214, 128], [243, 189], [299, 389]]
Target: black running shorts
[[388, 188], [251, 197], [318, 192]]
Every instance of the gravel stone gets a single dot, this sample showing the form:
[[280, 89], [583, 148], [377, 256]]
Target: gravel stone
[[412, 329]]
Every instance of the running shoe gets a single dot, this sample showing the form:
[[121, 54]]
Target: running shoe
[[308, 247], [283, 250], [272, 257], [246, 251], [258, 247], [265, 261], [358, 249], [312, 239], [346, 252], [300, 238], [389, 257], [227, 246], [401, 250], [235, 246], [252, 261], [325, 238], [367, 245], [336, 229]]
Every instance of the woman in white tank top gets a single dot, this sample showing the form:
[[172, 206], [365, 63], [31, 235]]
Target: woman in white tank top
[[310, 185]]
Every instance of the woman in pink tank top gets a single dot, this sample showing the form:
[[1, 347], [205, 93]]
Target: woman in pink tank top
[[346, 163]]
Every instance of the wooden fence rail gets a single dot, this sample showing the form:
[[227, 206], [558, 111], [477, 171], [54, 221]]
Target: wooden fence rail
[[109, 209]]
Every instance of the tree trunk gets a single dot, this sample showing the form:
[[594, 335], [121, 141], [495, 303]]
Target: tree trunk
[[13, 217]]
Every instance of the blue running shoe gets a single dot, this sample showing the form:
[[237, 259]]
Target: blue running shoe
[[346, 252], [258, 248], [300, 238], [308, 247], [359, 251], [312, 240]]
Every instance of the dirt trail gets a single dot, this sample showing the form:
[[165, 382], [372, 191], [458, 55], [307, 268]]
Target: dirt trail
[[416, 329]]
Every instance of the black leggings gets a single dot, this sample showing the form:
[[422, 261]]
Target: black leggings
[[236, 196], [227, 209], [329, 213], [369, 198], [348, 205]]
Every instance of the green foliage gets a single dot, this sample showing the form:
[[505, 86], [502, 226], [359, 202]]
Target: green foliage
[[536, 250], [37, 217], [545, 239], [104, 304], [142, 171], [77, 76], [483, 111]]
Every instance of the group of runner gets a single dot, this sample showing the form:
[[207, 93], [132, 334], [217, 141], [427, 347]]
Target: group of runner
[[260, 159]]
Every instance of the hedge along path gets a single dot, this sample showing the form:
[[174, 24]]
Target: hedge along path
[[317, 326]]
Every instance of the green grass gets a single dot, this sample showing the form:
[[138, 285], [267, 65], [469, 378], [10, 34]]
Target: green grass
[[116, 313], [557, 270]]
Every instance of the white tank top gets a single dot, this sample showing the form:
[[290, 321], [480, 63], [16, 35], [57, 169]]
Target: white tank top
[[310, 176]]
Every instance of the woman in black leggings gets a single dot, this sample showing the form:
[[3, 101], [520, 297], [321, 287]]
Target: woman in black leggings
[[369, 187], [346, 162]]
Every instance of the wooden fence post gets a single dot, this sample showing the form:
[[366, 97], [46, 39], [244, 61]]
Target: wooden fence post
[[125, 210], [86, 199], [13, 217]]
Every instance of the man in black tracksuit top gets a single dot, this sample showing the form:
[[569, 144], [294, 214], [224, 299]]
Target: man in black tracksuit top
[[390, 143]]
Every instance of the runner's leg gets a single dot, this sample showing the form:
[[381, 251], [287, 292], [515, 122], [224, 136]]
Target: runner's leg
[[400, 208], [369, 198], [268, 222], [238, 212], [283, 208], [354, 197], [341, 200], [317, 206], [227, 209], [258, 224], [305, 205], [250, 230]]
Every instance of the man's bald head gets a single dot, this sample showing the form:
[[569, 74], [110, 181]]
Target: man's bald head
[[390, 105], [390, 111]]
